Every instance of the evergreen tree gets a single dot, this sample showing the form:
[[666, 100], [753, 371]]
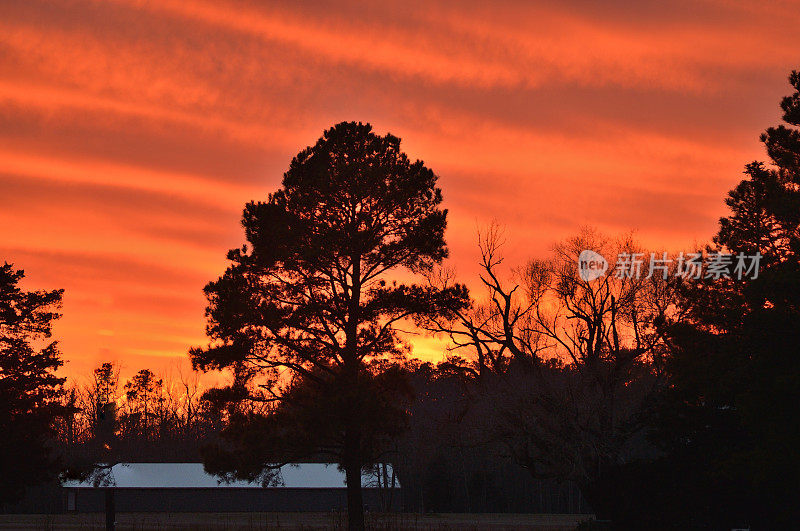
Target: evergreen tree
[[306, 311], [104, 407], [30, 392], [142, 394], [730, 418]]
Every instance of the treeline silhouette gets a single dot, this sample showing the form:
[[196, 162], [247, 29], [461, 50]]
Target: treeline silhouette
[[655, 401], [146, 418], [442, 466]]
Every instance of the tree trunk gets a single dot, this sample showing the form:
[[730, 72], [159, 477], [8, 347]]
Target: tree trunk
[[352, 468], [352, 459], [111, 515], [352, 437]]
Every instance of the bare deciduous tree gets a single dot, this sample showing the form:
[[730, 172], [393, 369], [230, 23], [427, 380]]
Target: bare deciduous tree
[[565, 364]]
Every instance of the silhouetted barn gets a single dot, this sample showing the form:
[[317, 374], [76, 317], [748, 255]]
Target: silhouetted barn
[[186, 487]]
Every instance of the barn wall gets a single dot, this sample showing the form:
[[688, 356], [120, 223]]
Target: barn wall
[[48, 498]]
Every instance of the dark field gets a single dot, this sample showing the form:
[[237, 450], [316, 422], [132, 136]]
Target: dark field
[[293, 521]]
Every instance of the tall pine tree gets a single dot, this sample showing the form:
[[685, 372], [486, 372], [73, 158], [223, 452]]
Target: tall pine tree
[[307, 312]]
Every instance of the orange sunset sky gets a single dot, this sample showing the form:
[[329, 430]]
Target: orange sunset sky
[[134, 132]]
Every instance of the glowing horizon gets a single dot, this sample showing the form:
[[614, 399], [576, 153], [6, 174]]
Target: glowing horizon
[[134, 133]]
